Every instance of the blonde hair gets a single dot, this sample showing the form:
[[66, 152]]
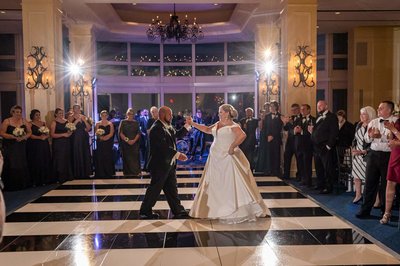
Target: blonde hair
[[230, 109], [129, 111], [370, 111]]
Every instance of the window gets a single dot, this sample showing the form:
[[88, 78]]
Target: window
[[179, 102], [7, 65], [7, 44], [241, 51], [145, 71], [212, 52], [320, 64], [339, 100], [245, 69], [112, 51], [320, 95], [339, 63], [241, 101], [178, 53], [178, 71], [321, 44], [144, 101], [112, 70], [209, 70], [209, 103], [340, 43], [145, 52]]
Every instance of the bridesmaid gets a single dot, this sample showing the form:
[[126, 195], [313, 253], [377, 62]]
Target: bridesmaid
[[38, 150], [81, 161], [62, 168], [129, 134], [15, 131], [104, 154]]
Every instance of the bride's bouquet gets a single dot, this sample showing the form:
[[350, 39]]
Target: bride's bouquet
[[100, 132], [70, 127], [19, 132], [44, 130]]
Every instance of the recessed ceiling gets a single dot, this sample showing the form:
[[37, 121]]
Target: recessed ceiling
[[204, 13]]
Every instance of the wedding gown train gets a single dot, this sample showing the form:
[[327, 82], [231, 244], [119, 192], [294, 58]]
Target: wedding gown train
[[227, 189]]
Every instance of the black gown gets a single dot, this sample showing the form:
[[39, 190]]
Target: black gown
[[39, 160], [62, 168], [104, 162], [81, 160], [130, 153], [15, 170]]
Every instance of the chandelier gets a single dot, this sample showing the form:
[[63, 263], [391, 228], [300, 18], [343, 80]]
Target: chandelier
[[174, 30]]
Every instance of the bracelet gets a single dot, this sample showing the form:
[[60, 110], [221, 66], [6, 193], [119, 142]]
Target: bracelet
[[126, 139]]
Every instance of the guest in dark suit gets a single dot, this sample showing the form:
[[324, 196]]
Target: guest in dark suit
[[324, 135], [289, 124], [162, 166], [249, 125], [143, 120], [273, 129], [303, 145], [198, 137], [346, 130]]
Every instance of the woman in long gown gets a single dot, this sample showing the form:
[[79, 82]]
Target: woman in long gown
[[104, 164], [61, 147], [15, 131], [38, 150], [81, 160], [227, 189], [393, 172], [129, 134]]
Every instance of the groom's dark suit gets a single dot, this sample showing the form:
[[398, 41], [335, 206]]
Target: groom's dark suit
[[162, 168]]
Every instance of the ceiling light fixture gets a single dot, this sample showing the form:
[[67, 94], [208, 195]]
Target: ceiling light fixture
[[174, 30]]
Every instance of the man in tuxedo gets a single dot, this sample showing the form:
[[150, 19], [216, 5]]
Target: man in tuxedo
[[273, 130], [303, 145], [162, 166], [324, 135], [289, 124], [143, 119], [249, 125], [377, 158]]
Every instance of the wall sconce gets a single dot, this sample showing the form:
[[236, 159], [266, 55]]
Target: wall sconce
[[271, 77], [303, 71], [36, 73], [79, 82]]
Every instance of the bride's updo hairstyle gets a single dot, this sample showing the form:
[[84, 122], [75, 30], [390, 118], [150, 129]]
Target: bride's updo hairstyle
[[230, 109]]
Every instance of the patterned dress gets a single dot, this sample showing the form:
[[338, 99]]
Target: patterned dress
[[359, 165]]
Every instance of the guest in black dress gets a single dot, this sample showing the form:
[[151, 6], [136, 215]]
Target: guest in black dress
[[81, 161], [105, 140], [129, 134], [15, 131], [38, 150], [61, 147]]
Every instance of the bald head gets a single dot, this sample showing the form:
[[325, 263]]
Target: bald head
[[165, 114], [322, 106]]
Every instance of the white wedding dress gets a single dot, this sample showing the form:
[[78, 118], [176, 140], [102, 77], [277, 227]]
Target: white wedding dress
[[227, 189]]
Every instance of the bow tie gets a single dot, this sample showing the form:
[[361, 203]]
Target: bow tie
[[383, 120]]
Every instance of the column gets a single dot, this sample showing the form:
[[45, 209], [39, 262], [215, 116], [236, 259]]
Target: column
[[42, 26], [299, 27], [82, 49]]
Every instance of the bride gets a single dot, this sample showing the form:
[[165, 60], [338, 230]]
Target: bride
[[227, 189]]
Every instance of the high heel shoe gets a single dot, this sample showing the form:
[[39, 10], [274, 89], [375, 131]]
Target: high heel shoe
[[386, 218], [358, 201]]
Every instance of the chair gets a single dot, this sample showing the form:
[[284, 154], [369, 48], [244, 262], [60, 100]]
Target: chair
[[344, 164]]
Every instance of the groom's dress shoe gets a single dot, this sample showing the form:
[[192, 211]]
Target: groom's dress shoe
[[362, 214], [182, 215], [149, 216]]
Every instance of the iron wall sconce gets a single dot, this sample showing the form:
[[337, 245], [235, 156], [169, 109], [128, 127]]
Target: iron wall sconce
[[271, 86], [37, 71], [303, 71]]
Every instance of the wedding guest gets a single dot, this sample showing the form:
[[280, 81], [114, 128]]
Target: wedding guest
[[377, 159], [290, 149], [38, 150], [393, 172], [324, 135], [61, 147], [249, 125], [262, 163], [81, 161], [129, 134], [359, 151], [144, 118], [197, 137], [104, 161], [273, 128], [15, 131]]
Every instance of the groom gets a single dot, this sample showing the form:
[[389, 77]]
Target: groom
[[162, 166]]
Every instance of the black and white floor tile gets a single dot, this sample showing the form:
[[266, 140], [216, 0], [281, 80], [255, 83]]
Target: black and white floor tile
[[95, 222]]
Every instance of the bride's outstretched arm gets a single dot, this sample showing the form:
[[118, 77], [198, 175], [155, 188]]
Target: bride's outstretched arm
[[203, 128], [240, 136]]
